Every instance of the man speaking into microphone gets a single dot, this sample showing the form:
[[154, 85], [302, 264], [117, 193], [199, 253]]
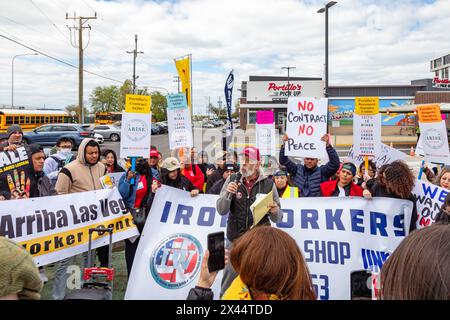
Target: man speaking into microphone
[[238, 194]]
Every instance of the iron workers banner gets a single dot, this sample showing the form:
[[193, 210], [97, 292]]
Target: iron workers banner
[[57, 227], [336, 236]]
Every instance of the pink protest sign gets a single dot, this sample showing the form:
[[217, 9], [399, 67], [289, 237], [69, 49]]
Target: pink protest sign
[[264, 117]]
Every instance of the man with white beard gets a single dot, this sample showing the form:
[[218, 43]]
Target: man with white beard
[[238, 193]]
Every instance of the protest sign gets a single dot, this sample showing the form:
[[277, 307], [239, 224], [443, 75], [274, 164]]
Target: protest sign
[[136, 127], [265, 133], [111, 180], [179, 120], [430, 199], [336, 236], [15, 172], [306, 124], [366, 126], [433, 134], [57, 227], [387, 155]]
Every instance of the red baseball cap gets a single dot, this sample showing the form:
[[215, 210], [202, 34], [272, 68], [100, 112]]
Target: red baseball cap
[[252, 153], [154, 153]]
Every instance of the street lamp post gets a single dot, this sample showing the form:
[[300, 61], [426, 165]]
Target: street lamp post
[[288, 69], [322, 10], [12, 74]]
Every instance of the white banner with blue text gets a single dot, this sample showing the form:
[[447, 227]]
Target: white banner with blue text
[[336, 237]]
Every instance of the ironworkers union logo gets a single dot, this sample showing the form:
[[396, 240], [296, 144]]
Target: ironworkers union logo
[[136, 129], [434, 139], [176, 261]]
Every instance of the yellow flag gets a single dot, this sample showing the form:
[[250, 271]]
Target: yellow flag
[[184, 72]]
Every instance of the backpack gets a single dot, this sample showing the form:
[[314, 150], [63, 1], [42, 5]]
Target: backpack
[[61, 163]]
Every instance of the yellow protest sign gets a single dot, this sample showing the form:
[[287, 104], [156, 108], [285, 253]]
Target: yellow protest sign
[[367, 105], [137, 104], [429, 114]]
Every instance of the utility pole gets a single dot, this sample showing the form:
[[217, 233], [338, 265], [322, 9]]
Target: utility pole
[[288, 69], [177, 79], [219, 102], [135, 53], [81, 22]]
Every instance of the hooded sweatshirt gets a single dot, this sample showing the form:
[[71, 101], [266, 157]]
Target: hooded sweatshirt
[[79, 176]]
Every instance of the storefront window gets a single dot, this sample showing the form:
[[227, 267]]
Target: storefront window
[[252, 117]]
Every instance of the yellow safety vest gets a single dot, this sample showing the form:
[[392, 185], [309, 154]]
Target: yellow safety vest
[[290, 192]]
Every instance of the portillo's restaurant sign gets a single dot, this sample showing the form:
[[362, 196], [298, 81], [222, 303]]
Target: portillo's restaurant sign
[[291, 89], [280, 90], [441, 83]]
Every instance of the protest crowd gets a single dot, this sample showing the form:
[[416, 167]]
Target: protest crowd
[[263, 262]]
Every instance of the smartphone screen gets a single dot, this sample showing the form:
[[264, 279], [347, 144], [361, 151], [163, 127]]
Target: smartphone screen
[[216, 248], [360, 285]]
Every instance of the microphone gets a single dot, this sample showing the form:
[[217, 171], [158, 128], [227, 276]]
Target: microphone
[[233, 178]]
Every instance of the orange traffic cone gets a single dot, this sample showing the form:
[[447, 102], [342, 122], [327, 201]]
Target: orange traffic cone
[[412, 153]]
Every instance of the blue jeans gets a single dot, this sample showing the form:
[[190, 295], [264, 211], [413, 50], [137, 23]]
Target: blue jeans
[[60, 281]]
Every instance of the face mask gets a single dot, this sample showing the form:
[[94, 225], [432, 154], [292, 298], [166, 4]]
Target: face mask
[[141, 168], [65, 152]]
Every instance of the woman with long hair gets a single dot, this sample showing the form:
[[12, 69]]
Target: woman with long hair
[[418, 268], [270, 266], [395, 181], [110, 161]]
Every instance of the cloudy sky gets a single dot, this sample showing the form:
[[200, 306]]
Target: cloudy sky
[[371, 42]]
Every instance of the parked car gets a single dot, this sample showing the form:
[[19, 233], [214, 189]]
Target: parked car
[[99, 138], [162, 127], [48, 134], [208, 125], [110, 132], [155, 129]]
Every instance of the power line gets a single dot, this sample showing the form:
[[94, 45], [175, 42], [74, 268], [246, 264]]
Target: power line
[[48, 18], [57, 59]]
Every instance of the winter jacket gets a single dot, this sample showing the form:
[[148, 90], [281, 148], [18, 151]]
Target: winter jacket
[[217, 187], [330, 188], [379, 190], [213, 178], [308, 181], [128, 193], [240, 218], [41, 186], [54, 163], [194, 175], [79, 176], [199, 293]]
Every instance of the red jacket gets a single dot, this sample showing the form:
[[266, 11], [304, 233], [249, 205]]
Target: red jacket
[[328, 187], [196, 179]]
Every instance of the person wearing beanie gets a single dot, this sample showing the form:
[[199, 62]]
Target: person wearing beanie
[[228, 169], [285, 191], [344, 185], [172, 177], [15, 138], [40, 184], [19, 276]]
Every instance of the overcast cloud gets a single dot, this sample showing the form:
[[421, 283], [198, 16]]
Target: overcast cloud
[[371, 42]]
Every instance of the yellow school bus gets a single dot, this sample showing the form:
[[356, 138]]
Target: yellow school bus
[[30, 119], [107, 117]]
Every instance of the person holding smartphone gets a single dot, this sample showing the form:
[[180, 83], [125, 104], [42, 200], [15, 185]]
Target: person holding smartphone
[[238, 194]]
